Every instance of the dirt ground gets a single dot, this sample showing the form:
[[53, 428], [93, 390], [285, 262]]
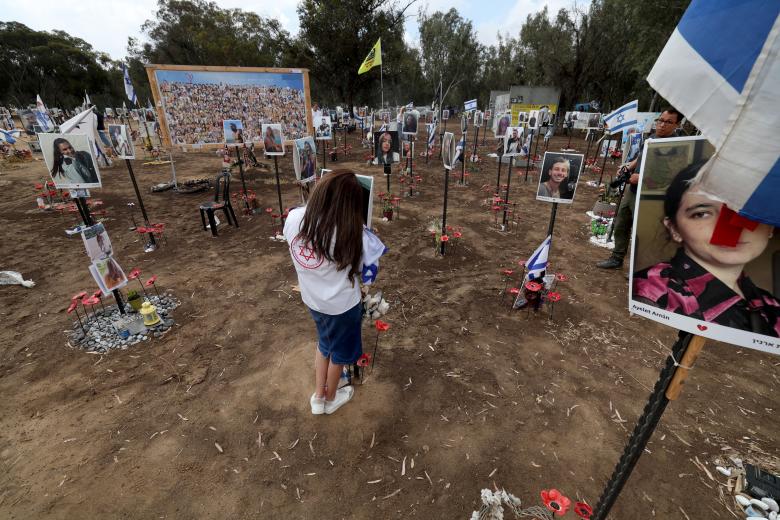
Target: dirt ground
[[466, 394]]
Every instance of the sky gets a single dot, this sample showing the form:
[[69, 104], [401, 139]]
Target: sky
[[107, 28]]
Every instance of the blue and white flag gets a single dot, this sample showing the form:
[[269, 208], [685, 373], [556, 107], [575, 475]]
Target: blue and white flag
[[373, 249], [431, 135], [731, 92], [537, 262], [42, 115], [9, 137], [470, 105], [129, 90], [623, 118]]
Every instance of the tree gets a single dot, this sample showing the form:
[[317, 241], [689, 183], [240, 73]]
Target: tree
[[450, 53]]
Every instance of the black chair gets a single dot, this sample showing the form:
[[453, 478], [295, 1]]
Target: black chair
[[208, 208]]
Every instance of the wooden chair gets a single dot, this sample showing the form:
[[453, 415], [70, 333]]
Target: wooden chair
[[222, 202]]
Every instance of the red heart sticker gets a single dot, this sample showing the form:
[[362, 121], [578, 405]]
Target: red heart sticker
[[701, 327]]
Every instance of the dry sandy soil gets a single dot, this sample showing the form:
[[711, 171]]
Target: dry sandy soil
[[466, 394]]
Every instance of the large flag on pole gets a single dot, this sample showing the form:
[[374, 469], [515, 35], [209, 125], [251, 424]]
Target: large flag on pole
[[129, 90], [623, 118], [42, 115], [373, 59], [431, 135], [731, 92]]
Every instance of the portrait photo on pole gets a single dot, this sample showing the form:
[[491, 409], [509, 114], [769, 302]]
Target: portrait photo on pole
[[411, 119], [478, 119], [696, 265], [448, 150], [445, 115], [273, 139], [305, 159], [522, 118], [108, 274], [387, 147], [367, 183], [513, 141], [533, 119], [407, 149], [96, 242], [500, 124], [70, 159], [323, 128], [560, 175], [121, 142], [233, 131]]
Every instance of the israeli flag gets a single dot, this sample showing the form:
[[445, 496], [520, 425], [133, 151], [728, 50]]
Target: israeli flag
[[731, 92], [129, 90], [470, 105], [459, 148], [373, 249], [431, 135], [9, 137], [537, 262], [623, 118]]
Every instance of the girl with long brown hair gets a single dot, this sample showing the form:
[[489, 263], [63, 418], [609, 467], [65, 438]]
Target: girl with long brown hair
[[328, 239]]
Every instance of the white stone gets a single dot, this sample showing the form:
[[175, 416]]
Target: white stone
[[742, 500], [760, 504], [773, 506]]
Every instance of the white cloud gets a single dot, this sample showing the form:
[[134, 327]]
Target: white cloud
[[511, 21]]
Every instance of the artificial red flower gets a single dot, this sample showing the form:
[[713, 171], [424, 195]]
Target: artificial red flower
[[458, 234], [583, 510], [364, 360], [514, 290], [381, 326], [561, 277], [553, 296], [275, 216], [496, 208], [555, 501], [508, 272], [134, 273], [78, 296], [521, 263], [90, 301], [533, 286], [449, 228], [97, 294], [445, 238], [39, 186], [151, 280], [52, 193], [72, 306]]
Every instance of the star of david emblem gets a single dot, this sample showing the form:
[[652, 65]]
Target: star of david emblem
[[306, 253], [621, 118]]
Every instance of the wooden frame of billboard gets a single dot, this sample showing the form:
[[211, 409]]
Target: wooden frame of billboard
[[151, 68]]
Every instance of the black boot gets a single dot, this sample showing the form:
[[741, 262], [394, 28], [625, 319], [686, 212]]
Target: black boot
[[610, 263]]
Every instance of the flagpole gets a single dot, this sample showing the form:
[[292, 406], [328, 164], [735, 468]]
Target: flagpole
[[381, 86]]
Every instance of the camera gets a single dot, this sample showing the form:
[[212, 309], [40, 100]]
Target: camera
[[623, 175]]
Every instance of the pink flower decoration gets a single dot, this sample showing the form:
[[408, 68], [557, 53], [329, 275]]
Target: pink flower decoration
[[555, 501]]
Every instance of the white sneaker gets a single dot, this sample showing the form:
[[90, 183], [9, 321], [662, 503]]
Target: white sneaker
[[343, 395], [317, 404]]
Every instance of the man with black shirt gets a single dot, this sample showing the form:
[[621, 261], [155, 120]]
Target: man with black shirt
[[666, 126]]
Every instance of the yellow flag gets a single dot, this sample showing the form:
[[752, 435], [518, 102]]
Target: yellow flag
[[373, 59]]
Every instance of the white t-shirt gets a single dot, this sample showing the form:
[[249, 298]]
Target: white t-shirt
[[324, 288]]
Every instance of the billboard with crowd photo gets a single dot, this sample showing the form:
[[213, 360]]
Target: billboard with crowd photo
[[193, 101]]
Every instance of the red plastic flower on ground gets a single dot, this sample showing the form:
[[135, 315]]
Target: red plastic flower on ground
[[269, 210], [554, 296], [457, 234], [78, 296], [381, 326], [97, 294], [508, 272], [555, 501], [151, 280], [134, 273], [39, 186], [561, 277], [72, 306], [521, 263], [449, 228], [533, 286], [496, 208], [90, 301], [583, 510], [514, 290], [445, 238], [275, 216], [364, 360]]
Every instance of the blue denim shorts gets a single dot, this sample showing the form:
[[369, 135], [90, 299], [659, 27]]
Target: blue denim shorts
[[340, 335]]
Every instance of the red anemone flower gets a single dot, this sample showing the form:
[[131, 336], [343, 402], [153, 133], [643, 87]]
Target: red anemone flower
[[533, 286], [97, 294], [508, 272], [275, 216], [583, 510], [90, 301], [514, 290], [561, 277], [72, 306], [445, 238], [151, 280], [553, 296], [39, 186], [555, 501], [134, 273], [78, 296], [496, 208], [364, 360], [381, 326], [458, 234], [449, 228]]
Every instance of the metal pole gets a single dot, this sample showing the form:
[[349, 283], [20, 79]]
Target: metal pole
[[498, 177], [552, 219], [388, 171], [604, 162], [587, 150], [444, 211], [324, 151], [666, 389], [140, 200], [463, 160], [614, 217], [528, 161], [506, 194], [427, 140], [476, 139], [278, 187], [243, 182]]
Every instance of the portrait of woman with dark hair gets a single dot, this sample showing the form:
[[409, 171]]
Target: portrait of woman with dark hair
[[386, 149], [703, 280], [69, 167], [410, 122], [273, 141]]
